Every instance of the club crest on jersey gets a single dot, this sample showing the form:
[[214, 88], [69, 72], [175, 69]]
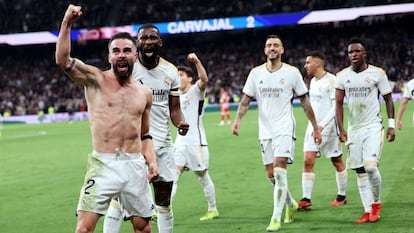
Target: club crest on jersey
[[167, 81], [367, 80], [282, 81]]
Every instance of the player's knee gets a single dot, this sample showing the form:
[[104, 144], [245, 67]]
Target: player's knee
[[83, 229], [308, 164], [338, 163]]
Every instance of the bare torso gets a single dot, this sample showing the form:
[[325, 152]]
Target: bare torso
[[115, 113]]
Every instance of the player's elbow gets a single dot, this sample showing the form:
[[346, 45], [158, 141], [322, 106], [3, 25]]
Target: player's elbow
[[60, 61]]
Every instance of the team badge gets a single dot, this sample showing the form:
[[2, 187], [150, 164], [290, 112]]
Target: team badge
[[167, 81]]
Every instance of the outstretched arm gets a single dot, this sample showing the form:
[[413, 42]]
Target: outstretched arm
[[74, 68]]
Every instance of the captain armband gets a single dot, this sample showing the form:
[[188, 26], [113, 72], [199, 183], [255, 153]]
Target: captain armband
[[145, 137], [72, 64], [175, 92]]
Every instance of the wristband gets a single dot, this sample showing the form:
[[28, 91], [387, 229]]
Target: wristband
[[72, 64], [391, 123], [145, 137]]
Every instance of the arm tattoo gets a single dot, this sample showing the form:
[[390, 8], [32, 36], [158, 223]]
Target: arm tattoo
[[308, 110], [243, 107]]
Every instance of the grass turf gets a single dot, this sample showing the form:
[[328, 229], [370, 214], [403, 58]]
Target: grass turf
[[42, 168]]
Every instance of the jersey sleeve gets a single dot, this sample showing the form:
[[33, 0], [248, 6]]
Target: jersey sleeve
[[383, 84], [248, 88], [300, 86], [175, 82]]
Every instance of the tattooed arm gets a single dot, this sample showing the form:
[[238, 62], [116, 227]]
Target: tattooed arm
[[311, 116], [241, 111]]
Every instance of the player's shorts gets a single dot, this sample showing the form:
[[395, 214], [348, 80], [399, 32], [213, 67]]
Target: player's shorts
[[365, 146], [224, 110], [280, 146], [166, 164], [194, 157], [330, 146], [123, 175]]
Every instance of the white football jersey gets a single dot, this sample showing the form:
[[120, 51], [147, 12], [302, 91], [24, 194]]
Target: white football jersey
[[192, 106], [362, 93], [274, 92], [163, 80], [322, 96]]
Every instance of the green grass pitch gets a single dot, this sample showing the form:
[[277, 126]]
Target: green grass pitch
[[42, 167]]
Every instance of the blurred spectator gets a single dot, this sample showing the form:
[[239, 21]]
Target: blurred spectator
[[45, 15], [31, 82]]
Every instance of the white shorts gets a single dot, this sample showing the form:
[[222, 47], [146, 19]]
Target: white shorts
[[121, 175], [280, 146], [364, 146], [330, 147], [166, 164], [194, 157]]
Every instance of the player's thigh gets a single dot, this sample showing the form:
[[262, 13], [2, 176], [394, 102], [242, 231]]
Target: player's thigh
[[372, 147], [166, 164], [284, 146]]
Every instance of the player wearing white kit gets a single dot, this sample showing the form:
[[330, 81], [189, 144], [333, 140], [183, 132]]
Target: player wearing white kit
[[191, 150], [274, 85], [408, 95], [162, 78], [362, 84], [322, 98]]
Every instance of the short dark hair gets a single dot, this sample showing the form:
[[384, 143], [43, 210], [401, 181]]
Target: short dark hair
[[148, 25], [274, 36], [187, 70], [121, 35], [356, 40], [317, 53]]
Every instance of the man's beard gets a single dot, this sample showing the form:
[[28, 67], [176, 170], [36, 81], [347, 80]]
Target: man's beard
[[123, 75]]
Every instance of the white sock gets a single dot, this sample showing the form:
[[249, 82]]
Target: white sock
[[308, 180], [375, 181], [113, 218], [279, 193], [289, 199], [209, 191], [341, 181], [365, 192], [174, 189], [165, 220]]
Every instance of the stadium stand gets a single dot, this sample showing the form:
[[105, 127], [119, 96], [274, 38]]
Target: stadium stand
[[45, 15], [30, 81]]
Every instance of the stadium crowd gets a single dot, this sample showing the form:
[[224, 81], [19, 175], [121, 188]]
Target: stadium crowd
[[45, 15], [31, 82]]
